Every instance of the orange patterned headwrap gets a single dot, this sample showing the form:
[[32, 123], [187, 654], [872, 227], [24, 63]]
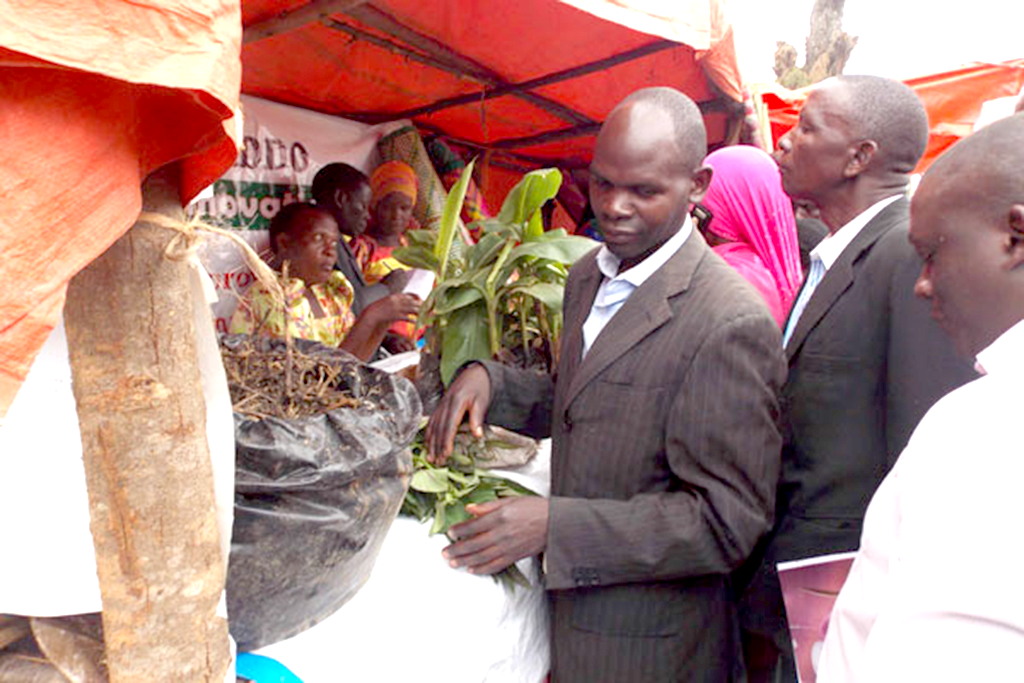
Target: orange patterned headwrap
[[393, 176]]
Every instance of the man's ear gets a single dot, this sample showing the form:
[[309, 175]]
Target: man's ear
[[861, 158], [1015, 236], [338, 197], [701, 182]]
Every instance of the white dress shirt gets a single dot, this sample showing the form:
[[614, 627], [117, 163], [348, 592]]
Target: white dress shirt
[[826, 254], [617, 287], [935, 591]]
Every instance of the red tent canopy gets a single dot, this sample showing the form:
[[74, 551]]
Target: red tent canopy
[[953, 100], [531, 79], [96, 96], [99, 94]]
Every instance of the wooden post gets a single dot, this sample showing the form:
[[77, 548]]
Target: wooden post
[[143, 420]]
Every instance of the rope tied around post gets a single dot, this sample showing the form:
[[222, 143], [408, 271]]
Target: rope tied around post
[[185, 244]]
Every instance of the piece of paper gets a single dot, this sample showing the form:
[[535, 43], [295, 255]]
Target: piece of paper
[[397, 362], [420, 283], [809, 590]]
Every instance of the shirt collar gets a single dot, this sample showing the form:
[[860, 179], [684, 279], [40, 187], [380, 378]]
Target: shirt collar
[[831, 248], [608, 263], [1003, 354]]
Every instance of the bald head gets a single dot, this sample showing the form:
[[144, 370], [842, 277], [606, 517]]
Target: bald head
[[987, 168], [967, 223], [687, 123], [889, 113], [641, 184]]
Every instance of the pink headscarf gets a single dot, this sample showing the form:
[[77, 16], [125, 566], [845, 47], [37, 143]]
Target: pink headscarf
[[752, 212]]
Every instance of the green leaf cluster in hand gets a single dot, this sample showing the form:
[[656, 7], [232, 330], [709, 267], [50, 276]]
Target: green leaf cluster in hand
[[442, 493], [505, 291]]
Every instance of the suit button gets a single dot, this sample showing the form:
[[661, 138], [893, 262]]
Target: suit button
[[567, 421]]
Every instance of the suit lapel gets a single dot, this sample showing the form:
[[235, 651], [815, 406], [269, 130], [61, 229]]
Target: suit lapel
[[841, 275], [836, 281], [646, 310], [572, 342], [353, 265]]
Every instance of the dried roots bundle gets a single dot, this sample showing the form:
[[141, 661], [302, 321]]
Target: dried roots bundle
[[274, 379]]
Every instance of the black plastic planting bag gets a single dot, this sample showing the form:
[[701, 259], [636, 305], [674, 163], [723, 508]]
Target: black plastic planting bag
[[314, 499]]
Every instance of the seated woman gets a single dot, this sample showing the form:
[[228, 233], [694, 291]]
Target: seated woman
[[318, 298], [393, 187], [752, 225]]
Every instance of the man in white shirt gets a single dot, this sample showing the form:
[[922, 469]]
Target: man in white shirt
[[662, 415], [934, 593], [865, 360]]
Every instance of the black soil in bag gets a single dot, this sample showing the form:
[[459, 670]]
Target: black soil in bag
[[315, 495]]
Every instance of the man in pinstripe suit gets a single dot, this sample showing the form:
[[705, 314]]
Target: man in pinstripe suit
[[663, 410]]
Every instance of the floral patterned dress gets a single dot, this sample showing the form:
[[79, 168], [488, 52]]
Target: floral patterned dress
[[258, 313]]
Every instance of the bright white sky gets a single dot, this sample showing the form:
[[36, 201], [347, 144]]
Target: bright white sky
[[898, 38]]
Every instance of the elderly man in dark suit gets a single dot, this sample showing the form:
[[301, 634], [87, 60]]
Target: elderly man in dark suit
[[865, 360], [663, 415]]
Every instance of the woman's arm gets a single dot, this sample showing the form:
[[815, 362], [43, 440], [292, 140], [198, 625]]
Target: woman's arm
[[370, 327]]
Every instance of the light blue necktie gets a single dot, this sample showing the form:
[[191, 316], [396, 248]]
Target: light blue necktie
[[814, 276]]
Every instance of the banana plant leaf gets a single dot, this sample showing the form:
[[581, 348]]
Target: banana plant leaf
[[534, 227], [465, 338], [556, 245], [548, 293], [450, 219], [484, 251], [552, 246], [494, 226], [553, 270], [417, 256], [527, 197], [454, 298], [421, 238]]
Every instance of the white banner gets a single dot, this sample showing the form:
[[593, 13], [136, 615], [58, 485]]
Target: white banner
[[283, 148]]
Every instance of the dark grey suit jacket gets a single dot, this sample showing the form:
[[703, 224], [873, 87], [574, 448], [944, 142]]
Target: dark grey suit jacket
[[865, 363], [363, 294], [664, 465]]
